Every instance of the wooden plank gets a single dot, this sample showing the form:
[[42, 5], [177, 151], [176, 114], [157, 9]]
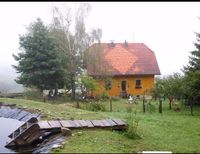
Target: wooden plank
[[83, 123], [119, 122], [112, 123], [77, 123], [73, 123], [44, 125], [54, 124], [66, 124], [89, 123], [97, 123], [36, 115], [106, 124]]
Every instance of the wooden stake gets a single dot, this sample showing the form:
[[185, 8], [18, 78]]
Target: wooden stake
[[110, 105], [160, 105]]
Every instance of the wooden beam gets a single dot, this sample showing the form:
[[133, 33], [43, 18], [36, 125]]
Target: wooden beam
[[119, 122], [44, 125], [83, 123], [112, 123], [89, 123], [54, 124], [66, 124]]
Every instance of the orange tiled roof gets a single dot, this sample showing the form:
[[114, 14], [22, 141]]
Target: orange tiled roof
[[134, 59]]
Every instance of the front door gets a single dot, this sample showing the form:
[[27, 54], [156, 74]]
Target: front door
[[123, 86]]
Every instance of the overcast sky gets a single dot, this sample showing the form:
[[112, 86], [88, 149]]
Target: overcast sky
[[165, 27]]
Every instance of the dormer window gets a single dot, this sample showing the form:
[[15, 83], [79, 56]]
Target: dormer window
[[125, 44], [111, 44]]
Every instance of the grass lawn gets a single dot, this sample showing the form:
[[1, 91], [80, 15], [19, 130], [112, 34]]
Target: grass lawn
[[170, 131]]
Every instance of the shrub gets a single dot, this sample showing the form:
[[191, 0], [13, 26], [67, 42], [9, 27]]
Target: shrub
[[114, 98], [132, 127], [104, 96], [129, 108], [96, 106], [150, 107], [32, 93]]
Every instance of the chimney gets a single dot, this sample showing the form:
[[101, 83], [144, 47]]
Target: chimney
[[111, 44], [125, 44]]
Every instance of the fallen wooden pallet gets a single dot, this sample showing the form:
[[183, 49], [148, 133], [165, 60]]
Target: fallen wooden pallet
[[33, 129], [25, 134]]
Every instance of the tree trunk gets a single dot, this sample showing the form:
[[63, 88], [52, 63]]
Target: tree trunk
[[191, 106], [55, 93], [73, 87], [42, 95], [170, 105]]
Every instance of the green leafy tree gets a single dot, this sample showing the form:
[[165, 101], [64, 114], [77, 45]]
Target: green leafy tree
[[39, 64], [192, 71], [89, 83], [158, 89]]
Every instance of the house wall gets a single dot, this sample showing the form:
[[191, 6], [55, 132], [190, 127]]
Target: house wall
[[147, 82]]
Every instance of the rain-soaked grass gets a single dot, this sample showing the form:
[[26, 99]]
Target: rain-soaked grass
[[169, 131]]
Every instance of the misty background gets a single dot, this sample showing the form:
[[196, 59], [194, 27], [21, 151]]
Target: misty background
[[168, 28]]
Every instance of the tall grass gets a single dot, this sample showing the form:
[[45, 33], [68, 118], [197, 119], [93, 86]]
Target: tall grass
[[132, 127]]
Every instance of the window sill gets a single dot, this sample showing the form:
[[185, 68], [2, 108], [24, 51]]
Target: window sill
[[139, 87]]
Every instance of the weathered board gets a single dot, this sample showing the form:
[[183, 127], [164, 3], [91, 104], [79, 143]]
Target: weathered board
[[66, 123], [83, 123], [112, 123], [119, 122], [97, 123], [54, 124], [105, 123], [73, 124], [76, 122], [44, 125], [89, 123]]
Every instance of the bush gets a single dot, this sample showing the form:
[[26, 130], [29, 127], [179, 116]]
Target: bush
[[132, 127], [32, 93], [150, 107], [96, 106], [104, 96], [129, 108], [114, 98]]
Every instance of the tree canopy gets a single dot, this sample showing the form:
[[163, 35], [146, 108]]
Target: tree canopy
[[192, 71], [39, 63]]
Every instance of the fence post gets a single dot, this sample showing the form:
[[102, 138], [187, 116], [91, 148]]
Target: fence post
[[160, 105], [110, 105], [143, 104], [191, 106]]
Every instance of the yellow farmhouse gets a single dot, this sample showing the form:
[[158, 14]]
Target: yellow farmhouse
[[130, 66]]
